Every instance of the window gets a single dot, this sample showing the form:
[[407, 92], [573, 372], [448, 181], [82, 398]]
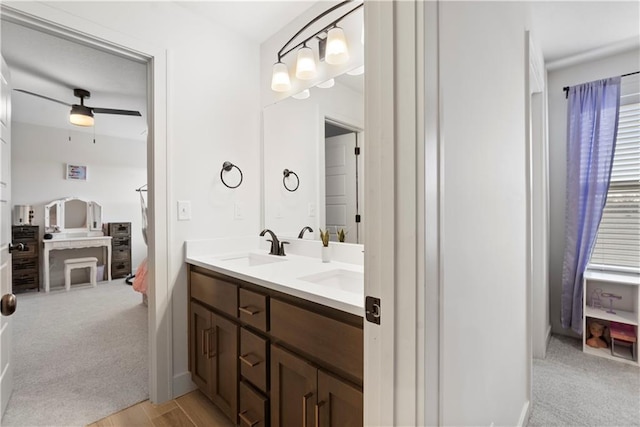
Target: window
[[618, 241]]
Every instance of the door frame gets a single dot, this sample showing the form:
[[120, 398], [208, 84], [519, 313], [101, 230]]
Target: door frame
[[60, 23], [403, 207]]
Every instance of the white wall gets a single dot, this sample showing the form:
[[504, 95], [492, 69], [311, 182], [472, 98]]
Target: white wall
[[293, 138], [569, 76], [213, 115], [484, 293], [116, 167]]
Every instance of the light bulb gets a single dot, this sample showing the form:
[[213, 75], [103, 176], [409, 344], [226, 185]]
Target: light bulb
[[306, 64], [302, 95], [326, 85], [337, 52], [280, 79]]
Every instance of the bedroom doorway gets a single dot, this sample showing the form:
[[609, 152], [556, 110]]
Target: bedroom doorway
[[154, 150]]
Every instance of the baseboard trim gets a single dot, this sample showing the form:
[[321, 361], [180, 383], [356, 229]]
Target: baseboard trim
[[182, 384], [548, 339], [524, 414]]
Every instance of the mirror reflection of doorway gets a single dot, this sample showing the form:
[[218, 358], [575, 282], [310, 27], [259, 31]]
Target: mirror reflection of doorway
[[343, 186]]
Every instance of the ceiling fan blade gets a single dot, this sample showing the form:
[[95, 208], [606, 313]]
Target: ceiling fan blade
[[43, 97], [112, 111]]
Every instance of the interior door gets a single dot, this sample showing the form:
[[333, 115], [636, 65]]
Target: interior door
[[340, 185], [7, 301]]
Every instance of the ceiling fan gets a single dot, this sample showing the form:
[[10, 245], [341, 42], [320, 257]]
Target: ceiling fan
[[82, 115]]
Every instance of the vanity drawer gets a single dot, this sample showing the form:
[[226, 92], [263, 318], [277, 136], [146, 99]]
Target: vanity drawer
[[215, 293], [253, 309], [328, 340], [253, 358], [253, 407]]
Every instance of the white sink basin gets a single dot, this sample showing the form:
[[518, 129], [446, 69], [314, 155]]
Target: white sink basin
[[251, 259], [346, 280]]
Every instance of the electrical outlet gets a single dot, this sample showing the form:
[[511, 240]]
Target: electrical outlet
[[312, 210], [184, 210], [237, 211]]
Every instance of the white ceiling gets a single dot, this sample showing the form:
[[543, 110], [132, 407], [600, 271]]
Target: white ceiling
[[53, 67]]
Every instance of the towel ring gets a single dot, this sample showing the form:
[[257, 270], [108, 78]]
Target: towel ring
[[286, 174], [226, 167]]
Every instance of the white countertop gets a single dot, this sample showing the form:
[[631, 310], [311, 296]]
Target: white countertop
[[301, 276]]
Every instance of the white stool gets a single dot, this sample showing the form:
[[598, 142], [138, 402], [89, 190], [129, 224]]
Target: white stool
[[69, 264]]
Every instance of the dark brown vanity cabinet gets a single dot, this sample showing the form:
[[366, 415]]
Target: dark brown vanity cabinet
[[302, 394], [214, 361], [269, 359]]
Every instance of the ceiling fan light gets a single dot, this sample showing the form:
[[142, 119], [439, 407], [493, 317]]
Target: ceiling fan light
[[306, 64], [81, 116], [280, 79], [337, 52]]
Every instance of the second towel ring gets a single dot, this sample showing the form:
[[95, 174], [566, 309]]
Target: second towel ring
[[226, 167], [286, 174]]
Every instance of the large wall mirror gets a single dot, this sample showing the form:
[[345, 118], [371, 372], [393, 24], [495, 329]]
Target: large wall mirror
[[317, 138]]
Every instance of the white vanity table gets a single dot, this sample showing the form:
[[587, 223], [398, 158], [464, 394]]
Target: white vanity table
[[74, 243], [73, 224]]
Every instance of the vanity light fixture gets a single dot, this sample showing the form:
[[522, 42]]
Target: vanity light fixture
[[337, 52], [334, 45]]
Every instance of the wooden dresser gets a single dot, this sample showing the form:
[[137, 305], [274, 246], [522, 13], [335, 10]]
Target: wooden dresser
[[25, 265], [120, 248]]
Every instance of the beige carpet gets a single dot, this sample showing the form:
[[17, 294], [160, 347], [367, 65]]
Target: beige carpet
[[571, 388], [78, 356]]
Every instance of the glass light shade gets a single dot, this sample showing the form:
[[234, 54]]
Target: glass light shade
[[326, 85], [302, 95], [337, 51], [81, 116], [306, 64], [280, 79], [356, 71]]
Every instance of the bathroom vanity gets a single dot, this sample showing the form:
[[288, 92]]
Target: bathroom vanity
[[277, 340]]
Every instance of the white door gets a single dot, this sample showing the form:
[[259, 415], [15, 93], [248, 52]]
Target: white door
[[340, 185], [7, 300]]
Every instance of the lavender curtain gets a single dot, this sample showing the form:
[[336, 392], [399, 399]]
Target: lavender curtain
[[592, 125]]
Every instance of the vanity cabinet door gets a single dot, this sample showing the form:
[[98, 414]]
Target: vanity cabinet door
[[223, 355], [293, 390], [339, 403], [200, 326]]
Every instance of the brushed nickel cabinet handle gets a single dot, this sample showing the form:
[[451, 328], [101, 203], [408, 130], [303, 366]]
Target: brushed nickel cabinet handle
[[305, 398], [247, 310], [243, 359], [246, 420], [318, 406]]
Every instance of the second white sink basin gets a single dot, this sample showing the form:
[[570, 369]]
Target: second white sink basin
[[346, 280], [252, 259]]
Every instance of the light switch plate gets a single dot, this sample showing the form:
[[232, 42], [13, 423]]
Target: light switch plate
[[184, 210], [237, 211], [312, 210]]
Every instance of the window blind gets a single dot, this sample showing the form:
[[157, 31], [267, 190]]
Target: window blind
[[618, 241]]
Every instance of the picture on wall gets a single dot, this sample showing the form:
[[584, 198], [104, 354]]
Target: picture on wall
[[76, 172]]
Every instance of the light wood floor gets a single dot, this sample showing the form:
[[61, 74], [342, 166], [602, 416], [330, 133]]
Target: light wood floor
[[192, 409]]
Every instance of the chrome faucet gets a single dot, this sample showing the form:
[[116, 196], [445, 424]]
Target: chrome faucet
[[277, 247], [307, 228]]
